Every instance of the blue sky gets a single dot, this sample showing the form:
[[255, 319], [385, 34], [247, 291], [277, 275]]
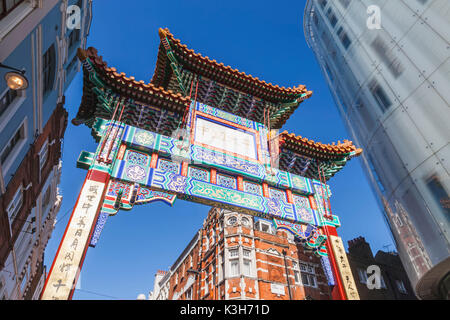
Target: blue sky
[[261, 38]]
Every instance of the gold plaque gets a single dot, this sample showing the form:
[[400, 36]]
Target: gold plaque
[[344, 268]]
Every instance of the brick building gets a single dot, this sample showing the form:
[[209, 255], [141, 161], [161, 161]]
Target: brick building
[[394, 281], [236, 256]]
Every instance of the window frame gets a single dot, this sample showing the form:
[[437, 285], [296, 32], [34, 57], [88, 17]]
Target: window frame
[[12, 217], [49, 70], [43, 152], [13, 154], [309, 272]]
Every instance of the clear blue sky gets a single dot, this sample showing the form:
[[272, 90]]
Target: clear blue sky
[[262, 38]]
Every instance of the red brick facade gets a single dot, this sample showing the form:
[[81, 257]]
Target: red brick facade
[[234, 256], [32, 179]]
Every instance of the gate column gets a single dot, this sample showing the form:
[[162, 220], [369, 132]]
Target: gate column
[[66, 267]]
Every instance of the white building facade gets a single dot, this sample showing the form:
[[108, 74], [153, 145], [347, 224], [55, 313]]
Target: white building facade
[[387, 64]]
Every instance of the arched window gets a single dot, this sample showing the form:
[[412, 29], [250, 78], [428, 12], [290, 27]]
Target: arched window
[[232, 221]]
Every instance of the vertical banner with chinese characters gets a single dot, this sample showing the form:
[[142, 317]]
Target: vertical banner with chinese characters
[[69, 257], [344, 268]]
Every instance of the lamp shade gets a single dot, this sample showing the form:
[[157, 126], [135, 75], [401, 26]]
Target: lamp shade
[[16, 80]]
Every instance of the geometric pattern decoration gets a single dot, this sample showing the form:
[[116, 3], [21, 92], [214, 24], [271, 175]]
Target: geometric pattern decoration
[[277, 194], [303, 208], [198, 174], [168, 166], [222, 194], [170, 147], [252, 188], [226, 181]]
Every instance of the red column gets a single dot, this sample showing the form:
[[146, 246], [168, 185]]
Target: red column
[[154, 160], [213, 176], [240, 183], [289, 196], [265, 190], [184, 169], [338, 292]]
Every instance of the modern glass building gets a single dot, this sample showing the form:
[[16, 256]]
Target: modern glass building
[[387, 64]]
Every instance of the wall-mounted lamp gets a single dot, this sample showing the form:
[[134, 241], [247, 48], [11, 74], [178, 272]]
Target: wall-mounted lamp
[[15, 79]]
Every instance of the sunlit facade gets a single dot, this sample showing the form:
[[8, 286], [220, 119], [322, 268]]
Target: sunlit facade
[[390, 83]]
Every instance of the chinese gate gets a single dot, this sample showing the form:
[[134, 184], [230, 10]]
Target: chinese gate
[[204, 132]]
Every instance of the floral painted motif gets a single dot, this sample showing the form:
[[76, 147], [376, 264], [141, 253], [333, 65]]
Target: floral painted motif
[[226, 181], [277, 194], [199, 174], [168, 166], [135, 172], [137, 158], [252, 188], [303, 208], [144, 137]]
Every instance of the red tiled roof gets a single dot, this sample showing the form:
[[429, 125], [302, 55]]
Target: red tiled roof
[[301, 144], [220, 73]]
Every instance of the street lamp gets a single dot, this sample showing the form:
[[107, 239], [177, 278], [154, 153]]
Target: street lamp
[[15, 79]]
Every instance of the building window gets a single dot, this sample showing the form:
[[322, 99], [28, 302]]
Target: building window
[[74, 38], [13, 144], [345, 40], [308, 275], [380, 95], [232, 221], [247, 263], [331, 17], [362, 275], [189, 294], [234, 262], [46, 198], [43, 155], [245, 222], [296, 269], [387, 56], [206, 286], [15, 205], [323, 3], [72, 63], [7, 99], [345, 3], [6, 6], [382, 283], [49, 68], [265, 226], [206, 243], [401, 286]]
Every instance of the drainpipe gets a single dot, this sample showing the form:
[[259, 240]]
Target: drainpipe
[[287, 275]]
